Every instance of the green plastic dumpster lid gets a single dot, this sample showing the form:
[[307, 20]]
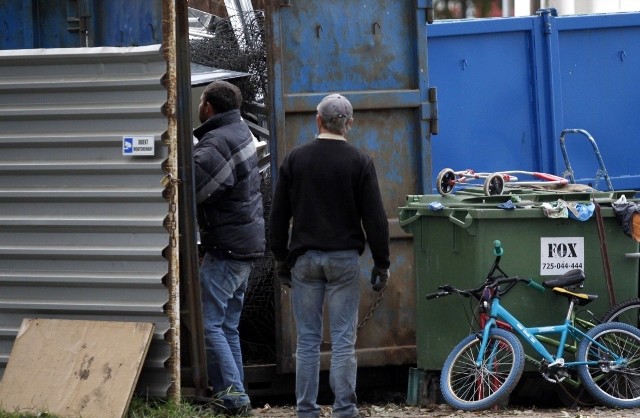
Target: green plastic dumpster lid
[[462, 208]]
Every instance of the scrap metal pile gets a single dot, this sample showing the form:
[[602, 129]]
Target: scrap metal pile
[[234, 43]]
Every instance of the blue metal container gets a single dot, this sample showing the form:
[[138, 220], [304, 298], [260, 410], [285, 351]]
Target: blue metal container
[[70, 24], [508, 87]]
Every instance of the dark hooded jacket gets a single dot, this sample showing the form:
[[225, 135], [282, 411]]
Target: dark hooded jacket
[[227, 182]]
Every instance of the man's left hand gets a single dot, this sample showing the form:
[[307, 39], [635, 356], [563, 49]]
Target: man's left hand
[[379, 278]]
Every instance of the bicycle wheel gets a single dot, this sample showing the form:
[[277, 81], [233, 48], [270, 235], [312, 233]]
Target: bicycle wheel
[[469, 387], [627, 312], [616, 386]]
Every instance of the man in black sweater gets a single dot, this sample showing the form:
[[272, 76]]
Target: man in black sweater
[[329, 190]]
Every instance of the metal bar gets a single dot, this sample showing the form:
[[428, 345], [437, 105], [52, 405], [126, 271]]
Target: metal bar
[[375, 99], [550, 106], [603, 170], [605, 255], [426, 128], [187, 208], [172, 308]]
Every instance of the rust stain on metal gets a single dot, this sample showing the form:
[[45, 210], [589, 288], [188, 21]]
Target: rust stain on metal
[[170, 138]]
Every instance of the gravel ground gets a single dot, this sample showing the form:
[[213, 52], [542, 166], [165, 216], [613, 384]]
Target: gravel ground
[[533, 397], [405, 411]]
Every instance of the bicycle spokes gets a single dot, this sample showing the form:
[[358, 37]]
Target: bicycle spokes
[[613, 372], [621, 377], [475, 381]]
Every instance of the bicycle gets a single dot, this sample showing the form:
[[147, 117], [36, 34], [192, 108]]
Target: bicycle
[[483, 369]]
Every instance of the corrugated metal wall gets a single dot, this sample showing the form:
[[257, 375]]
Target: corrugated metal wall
[[82, 232]]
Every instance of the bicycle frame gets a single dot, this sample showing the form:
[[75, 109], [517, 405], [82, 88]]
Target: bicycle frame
[[573, 347], [570, 348], [530, 336]]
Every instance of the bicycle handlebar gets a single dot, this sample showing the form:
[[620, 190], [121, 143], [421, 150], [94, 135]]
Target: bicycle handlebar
[[537, 286], [437, 295], [497, 248], [490, 282], [446, 290]]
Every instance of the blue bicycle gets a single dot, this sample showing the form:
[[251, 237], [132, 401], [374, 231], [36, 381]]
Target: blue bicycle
[[484, 368]]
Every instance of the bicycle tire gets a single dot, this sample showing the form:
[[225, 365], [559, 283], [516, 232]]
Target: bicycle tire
[[627, 312], [469, 388], [616, 387]]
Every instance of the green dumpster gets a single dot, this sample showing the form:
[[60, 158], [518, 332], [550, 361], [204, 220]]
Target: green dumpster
[[454, 246]]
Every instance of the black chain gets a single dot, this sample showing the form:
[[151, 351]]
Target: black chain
[[369, 314]]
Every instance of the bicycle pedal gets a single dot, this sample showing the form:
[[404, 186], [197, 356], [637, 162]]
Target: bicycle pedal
[[555, 377]]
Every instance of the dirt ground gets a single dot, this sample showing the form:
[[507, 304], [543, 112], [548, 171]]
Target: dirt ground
[[533, 397], [439, 410]]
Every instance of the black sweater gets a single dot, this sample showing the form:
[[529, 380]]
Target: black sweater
[[330, 189]]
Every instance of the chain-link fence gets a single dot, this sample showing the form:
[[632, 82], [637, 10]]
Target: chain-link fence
[[258, 323], [235, 45]]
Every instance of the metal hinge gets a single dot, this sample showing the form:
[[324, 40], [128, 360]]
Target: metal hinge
[[547, 22], [430, 111], [427, 4]]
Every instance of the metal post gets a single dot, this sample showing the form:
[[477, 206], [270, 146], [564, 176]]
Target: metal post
[[187, 208]]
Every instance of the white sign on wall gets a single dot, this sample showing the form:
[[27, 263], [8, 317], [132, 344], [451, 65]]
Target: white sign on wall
[[138, 145], [561, 254]]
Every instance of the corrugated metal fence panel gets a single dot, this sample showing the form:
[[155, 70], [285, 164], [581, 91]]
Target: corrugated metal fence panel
[[508, 87], [81, 225]]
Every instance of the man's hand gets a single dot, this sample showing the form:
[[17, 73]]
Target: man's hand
[[283, 273], [379, 277]]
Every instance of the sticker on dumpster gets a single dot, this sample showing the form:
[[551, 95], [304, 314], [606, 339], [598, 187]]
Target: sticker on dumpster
[[138, 145], [561, 254]]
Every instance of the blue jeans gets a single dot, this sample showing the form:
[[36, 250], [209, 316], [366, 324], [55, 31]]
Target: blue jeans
[[223, 282], [333, 275]]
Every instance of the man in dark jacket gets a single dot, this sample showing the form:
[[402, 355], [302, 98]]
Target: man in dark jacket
[[230, 218], [329, 189]]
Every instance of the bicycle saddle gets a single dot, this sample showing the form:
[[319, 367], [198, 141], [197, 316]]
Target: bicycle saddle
[[563, 285], [570, 278]]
